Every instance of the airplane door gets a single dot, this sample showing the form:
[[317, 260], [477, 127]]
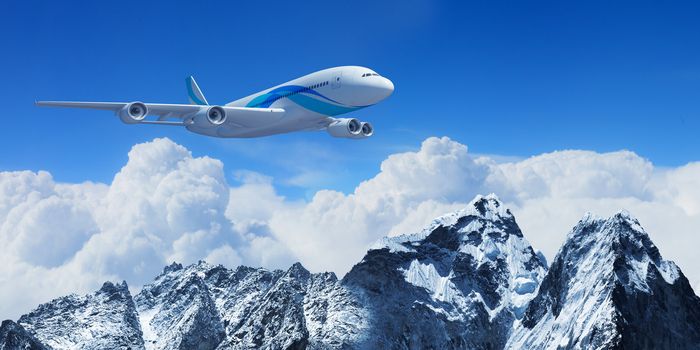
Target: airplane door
[[337, 80]]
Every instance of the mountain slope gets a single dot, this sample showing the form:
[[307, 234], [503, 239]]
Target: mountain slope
[[14, 336], [177, 313], [609, 288]]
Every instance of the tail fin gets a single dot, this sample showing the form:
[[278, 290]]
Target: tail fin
[[194, 93]]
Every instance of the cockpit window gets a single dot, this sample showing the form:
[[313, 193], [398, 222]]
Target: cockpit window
[[370, 75]]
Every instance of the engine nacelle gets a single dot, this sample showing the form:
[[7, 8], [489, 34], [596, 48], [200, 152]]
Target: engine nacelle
[[366, 130], [345, 127], [133, 113], [212, 116]]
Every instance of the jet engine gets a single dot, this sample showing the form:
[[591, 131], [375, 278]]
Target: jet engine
[[366, 130], [133, 113], [212, 116], [345, 127]]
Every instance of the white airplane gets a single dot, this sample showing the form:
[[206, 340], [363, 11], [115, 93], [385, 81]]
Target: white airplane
[[307, 103]]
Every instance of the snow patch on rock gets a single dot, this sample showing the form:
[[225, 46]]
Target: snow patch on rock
[[426, 276]]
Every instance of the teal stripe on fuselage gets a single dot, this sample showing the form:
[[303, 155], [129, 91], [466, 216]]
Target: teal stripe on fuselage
[[304, 98], [319, 106], [259, 101]]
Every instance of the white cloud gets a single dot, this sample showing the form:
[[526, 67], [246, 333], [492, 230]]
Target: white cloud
[[548, 193], [575, 174], [163, 205], [166, 205], [680, 186]]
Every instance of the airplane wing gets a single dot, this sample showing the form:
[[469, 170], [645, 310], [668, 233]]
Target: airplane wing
[[241, 116]]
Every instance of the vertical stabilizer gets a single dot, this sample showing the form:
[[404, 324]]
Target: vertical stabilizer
[[194, 93]]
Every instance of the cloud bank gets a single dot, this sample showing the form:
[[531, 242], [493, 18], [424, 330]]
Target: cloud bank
[[166, 205]]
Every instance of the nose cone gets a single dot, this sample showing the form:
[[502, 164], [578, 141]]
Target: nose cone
[[368, 89], [378, 89], [386, 87]]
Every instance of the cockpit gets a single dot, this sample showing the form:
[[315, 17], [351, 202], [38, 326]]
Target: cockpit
[[364, 87]]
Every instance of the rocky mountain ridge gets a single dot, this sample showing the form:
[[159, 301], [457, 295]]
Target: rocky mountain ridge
[[469, 280]]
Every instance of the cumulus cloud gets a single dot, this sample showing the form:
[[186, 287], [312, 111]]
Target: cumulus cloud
[[163, 205], [409, 188], [548, 193], [166, 205]]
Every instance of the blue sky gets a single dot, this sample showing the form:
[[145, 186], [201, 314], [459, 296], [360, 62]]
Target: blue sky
[[506, 78]]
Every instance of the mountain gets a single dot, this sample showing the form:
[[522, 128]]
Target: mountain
[[469, 280], [245, 308], [460, 283], [609, 288], [106, 319]]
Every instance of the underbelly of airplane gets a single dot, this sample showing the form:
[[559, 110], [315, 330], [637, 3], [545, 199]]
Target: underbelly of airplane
[[295, 119]]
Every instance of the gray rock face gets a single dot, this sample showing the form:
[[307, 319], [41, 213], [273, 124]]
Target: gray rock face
[[247, 308], [15, 337], [277, 320], [177, 312], [337, 316], [469, 280], [609, 288], [106, 319]]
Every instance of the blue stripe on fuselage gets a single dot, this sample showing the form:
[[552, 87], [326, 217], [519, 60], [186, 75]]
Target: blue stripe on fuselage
[[299, 95], [321, 107]]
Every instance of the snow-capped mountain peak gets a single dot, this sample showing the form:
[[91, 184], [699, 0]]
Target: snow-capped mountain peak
[[609, 286], [487, 207], [486, 231], [621, 237], [474, 261]]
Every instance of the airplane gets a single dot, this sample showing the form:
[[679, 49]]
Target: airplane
[[308, 103]]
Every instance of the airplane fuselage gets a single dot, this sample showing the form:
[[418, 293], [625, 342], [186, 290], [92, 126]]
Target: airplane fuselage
[[308, 101]]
